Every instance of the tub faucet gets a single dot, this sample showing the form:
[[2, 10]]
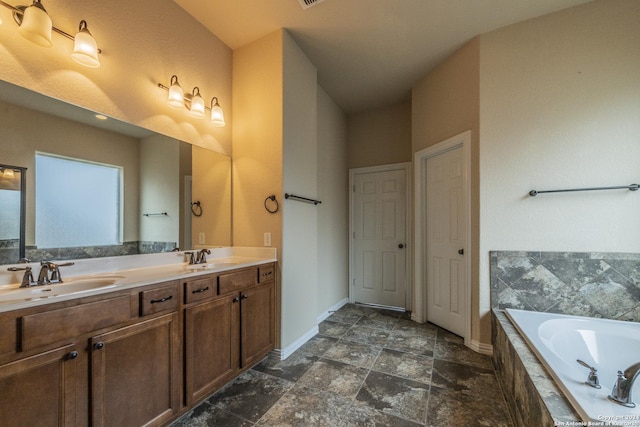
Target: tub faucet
[[592, 379], [621, 392]]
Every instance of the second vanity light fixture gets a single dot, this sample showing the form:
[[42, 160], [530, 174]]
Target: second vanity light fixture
[[193, 102], [34, 24]]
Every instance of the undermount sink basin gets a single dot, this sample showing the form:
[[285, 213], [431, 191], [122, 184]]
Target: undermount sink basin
[[66, 288]]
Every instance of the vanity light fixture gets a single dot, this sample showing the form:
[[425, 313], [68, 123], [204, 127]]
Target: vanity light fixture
[[217, 115], [8, 173], [197, 104], [34, 24], [193, 102]]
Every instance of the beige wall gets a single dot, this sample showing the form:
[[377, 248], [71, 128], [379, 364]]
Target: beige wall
[[20, 140], [257, 140], [333, 213], [289, 136], [379, 137], [143, 42], [446, 103], [299, 220], [559, 109]]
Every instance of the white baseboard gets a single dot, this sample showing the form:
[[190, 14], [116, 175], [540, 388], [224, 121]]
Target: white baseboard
[[481, 347], [323, 316], [291, 348]]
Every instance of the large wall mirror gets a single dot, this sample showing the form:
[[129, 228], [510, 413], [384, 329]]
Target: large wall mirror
[[98, 188]]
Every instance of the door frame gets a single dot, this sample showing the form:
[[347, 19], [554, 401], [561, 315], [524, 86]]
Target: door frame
[[406, 167], [463, 140]]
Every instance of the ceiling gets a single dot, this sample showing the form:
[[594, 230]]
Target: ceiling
[[369, 53]]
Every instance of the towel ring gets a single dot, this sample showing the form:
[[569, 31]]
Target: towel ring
[[274, 200], [197, 210]]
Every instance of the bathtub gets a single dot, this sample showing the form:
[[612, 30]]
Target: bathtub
[[608, 345]]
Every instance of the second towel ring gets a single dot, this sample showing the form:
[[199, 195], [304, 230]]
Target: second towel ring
[[196, 209], [274, 200]]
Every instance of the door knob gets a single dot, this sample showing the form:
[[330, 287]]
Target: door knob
[[401, 246], [461, 251]]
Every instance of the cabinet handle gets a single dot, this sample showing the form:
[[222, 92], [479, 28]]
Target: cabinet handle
[[153, 301], [199, 291], [236, 299], [98, 345], [72, 355], [267, 274], [244, 296]]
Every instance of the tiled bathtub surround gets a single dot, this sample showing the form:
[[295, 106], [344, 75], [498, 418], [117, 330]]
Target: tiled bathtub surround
[[603, 285], [531, 394]]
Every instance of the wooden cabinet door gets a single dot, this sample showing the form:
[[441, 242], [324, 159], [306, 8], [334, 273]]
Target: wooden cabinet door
[[211, 346], [135, 374], [40, 390], [257, 323]]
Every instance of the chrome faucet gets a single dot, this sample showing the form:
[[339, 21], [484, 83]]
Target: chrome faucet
[[592, 379], [27, 279], [202, 256], [621, 392], [50, 267]]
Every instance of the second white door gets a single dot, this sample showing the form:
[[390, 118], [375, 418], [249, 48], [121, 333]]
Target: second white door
[[445, 241], [379, 237]]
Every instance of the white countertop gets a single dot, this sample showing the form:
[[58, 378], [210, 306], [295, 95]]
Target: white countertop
[[124, 272]]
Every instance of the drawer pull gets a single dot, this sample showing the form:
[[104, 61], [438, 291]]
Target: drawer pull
[[154, 301], [72, 355], [199, 291], [98, 345], [267, 274]]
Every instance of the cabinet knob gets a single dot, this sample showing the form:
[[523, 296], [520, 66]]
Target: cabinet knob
[[236, 299], [244, 296], [461, 251], [72, 355], [400, 246], [98, 345]]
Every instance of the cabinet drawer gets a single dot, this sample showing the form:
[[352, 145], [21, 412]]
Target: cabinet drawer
[[236, 281], [199, 289], [68, 323], [266, 273], [158, 299]]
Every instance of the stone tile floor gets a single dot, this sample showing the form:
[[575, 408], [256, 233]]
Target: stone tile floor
[[366, 367]]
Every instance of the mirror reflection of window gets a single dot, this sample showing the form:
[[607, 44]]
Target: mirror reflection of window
[[78, 203]]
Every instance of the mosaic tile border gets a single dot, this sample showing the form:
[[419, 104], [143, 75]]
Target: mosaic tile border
[[592, 284]]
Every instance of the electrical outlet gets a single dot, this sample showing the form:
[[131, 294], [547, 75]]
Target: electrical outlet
[[267, 239], [201, 238]]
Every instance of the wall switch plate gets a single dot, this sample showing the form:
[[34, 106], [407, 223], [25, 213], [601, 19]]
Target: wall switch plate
[[267, 239], [201, 238]]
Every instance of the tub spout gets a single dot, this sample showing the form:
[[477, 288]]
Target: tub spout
[[621, 392]]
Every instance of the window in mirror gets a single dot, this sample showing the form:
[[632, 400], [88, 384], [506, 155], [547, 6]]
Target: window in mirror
[[12, 213], [78, 203]]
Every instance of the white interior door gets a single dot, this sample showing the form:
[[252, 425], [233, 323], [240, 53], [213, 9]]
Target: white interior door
[[445, 241], [379, 237]]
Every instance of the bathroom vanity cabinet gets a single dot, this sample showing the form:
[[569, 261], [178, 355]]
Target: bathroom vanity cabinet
[[140, 356], [227, 331]]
